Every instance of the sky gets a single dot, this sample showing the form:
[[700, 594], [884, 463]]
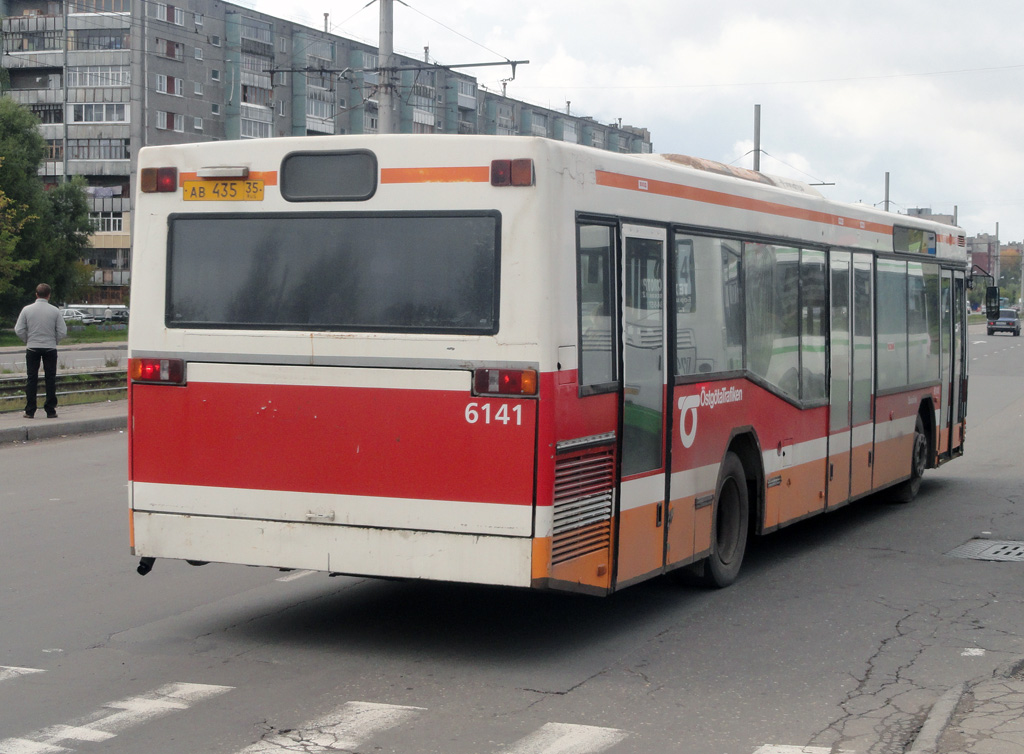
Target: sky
[[930, 91]]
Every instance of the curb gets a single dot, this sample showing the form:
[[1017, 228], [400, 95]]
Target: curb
[[79, 427], [927, 741]]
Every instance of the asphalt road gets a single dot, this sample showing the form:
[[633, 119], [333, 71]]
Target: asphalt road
[[841, 632]]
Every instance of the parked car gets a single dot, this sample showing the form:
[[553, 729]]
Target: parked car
[[78, 317], [1009, 321]]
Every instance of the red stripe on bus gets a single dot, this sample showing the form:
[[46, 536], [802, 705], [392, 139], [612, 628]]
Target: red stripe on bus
[[472, 174], [269, 177], [354, 441], [706, 196]]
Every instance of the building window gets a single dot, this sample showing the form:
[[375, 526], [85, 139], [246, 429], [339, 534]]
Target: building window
[[48, 113], [197, 123], [199, 53], [199, 19], [198, 88], [107, 222], [54, 149], [214, 108], [98, 75], [215, 40], [173, 50], [97, 39], [98, 149], [100, 6], [109, 112], [170, 121], [256, 95], [170, 84], [254, 129], [214, 74]]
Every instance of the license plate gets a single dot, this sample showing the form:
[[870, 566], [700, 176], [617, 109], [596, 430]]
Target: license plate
[[223, 191]]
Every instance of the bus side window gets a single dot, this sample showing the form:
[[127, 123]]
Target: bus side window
[[709, 318], [595, 283]]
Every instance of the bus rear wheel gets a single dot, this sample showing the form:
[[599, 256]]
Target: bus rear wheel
[[730, 525], [908, 490]]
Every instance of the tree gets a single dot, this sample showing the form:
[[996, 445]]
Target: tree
[[11, 224], [70, 227], [48, 231]]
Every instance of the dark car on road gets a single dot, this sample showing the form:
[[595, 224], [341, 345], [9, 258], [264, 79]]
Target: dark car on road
[[1009, 321]]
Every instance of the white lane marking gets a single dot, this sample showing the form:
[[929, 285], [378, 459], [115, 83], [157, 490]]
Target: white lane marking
[[973, 652], [562, 738], [296, 575], [103, 724], [775, 749], [7, 672], [346, 728]]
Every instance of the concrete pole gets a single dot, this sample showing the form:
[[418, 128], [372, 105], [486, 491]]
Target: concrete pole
[[387, 117], [757, 138]]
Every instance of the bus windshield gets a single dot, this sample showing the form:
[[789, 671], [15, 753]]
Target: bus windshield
[[387, 272]]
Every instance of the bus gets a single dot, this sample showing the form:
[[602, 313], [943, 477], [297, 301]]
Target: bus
[[519, 362]]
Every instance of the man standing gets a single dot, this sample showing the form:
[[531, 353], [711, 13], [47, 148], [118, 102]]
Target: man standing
[[41, 326]]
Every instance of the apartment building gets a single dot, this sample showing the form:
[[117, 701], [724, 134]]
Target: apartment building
[[106, 77]]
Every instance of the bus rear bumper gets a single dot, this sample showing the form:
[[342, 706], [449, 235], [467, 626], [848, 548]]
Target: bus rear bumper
[[392, 553]]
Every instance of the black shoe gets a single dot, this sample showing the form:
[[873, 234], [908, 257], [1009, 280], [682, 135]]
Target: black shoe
[[30, 416], [52, 416]]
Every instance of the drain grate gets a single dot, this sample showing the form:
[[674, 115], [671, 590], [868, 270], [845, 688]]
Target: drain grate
[[989, 549]]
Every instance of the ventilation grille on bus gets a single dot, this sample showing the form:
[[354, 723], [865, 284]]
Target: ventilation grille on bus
[[583, 504]]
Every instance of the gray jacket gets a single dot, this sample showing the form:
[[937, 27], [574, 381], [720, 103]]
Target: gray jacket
[[41, 325]]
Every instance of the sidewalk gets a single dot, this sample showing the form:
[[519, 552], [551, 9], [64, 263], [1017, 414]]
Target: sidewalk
[[981, 717], [71, 420]]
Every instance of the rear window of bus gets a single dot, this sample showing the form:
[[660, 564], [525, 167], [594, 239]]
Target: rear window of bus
[[435, 273]]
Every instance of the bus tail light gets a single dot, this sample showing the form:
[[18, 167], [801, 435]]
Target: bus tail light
[[161, 371], [512, 172], [158, 180], [505, 381]]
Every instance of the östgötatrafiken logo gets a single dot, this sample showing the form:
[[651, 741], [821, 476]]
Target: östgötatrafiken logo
[[689, 404]]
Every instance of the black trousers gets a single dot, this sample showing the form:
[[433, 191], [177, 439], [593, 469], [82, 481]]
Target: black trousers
[[48, 356]]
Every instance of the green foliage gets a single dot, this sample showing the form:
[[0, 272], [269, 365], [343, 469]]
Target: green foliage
[[70, 227], [11, 223], [43, 234]]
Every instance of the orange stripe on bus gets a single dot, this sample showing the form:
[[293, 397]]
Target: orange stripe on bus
[[706, 196], [473, 174], [269, 177]]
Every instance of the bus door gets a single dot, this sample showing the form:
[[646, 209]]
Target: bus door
[[641, 531], [840, 379], [947, 359], [958, 411], [862, 377]]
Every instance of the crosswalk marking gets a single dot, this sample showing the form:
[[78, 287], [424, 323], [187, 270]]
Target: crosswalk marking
[[8, 672], [345, 729], [104, 724], [562, 738]]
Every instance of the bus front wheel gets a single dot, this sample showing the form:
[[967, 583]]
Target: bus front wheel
[[730, 525]]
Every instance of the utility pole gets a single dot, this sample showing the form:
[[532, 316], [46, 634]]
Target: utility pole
[[387, 116], [886, 190], [757, 138]]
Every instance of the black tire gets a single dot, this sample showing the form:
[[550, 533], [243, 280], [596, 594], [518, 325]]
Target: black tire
[[990, 332], [730, 525], [908, 490]]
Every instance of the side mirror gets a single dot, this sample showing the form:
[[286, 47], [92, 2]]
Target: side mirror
[[992, 302]]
